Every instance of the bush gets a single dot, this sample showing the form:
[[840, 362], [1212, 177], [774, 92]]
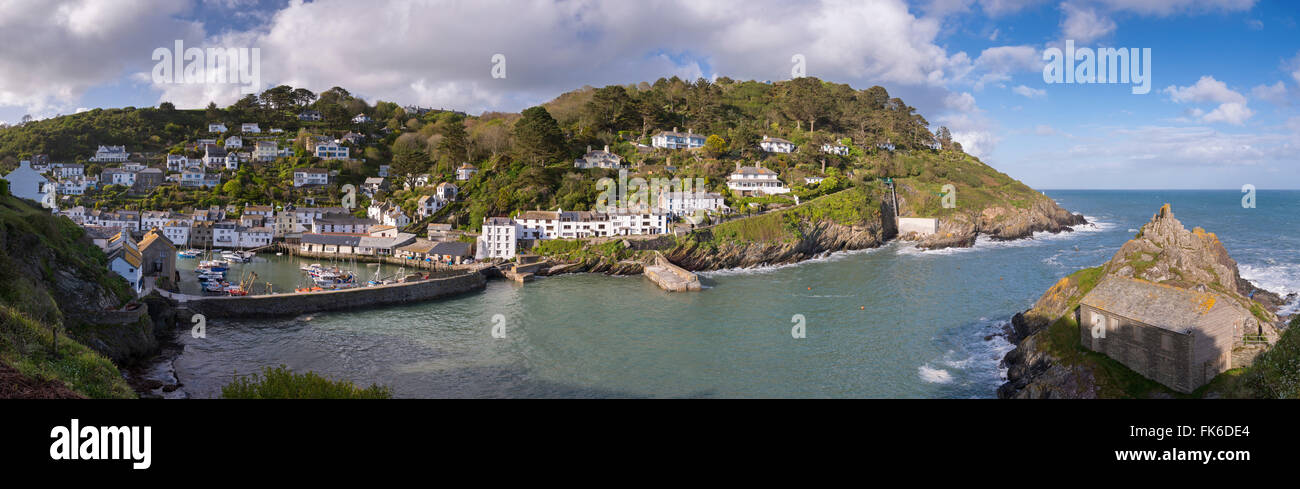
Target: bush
[[282, 383]]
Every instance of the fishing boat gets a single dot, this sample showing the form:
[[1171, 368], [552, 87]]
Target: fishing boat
[[238, 256], [190, 253], [213, 265]]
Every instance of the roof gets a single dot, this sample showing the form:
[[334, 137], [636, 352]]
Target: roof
[[153, 238], [775, 140], [311, 170], [679, 134], [498, 221], [467, 166], [453, 248], [753, 171], [332, 239], [1163, 306], [538, 215], [420, 245], [374, 181]]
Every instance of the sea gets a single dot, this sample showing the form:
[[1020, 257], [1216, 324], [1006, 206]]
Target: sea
[[889, 322]]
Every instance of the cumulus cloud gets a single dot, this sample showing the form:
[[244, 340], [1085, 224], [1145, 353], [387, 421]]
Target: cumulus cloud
[[1232, 105], [1275, 93], [1084, 24], [438, 54], [1029, 91], [53, 51]]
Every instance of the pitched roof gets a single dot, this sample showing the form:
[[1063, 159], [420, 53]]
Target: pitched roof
[[1163, 306]]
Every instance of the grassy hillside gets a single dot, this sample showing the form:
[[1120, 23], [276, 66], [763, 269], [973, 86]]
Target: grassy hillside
[[45, 258]]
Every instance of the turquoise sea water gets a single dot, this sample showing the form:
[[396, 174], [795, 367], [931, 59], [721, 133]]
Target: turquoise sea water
[[889, 322]]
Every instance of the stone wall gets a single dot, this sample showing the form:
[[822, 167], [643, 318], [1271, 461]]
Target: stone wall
[[1156, 353], [918, 225], [362, 297]]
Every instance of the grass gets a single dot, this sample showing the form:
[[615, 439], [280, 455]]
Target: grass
[[847, 207], [27, 345], [282, 383]]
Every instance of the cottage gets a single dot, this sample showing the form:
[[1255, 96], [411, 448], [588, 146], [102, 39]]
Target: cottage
[[234, 142], [27, 183], [266, 151], [428, 205], [309, 116], [158, 256], [755, 180], [331, 151], [1178, 337], [835, 149], [250, 128], [217, 128], [466, 171], [125, 260], [341, 223], [686, 203], [117, 176], [374, 185], [214, 156], [110, 154], [677, 140], [599, 159], [177, 163], [303, 177], [361, 119], [776, 145], [447, 191]]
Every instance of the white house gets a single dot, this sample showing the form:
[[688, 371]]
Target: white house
[[755, 180], [177, 163], [177, 231], [813, 180], [776, 145], [124, 259], [331, 151], [250, 128], [28, 183], [76, 214], [117, 176], [69, 170], [254, 237], [217, 128], [835, 149], [599, 159], [388, 214], [73, 186], [677, 140], [192, 178], [214, 156], [686, 203], [225, 234], [232, 161], [447, 191], [309, 116], [361, 119], [341, 223], [428, 206], [638, 223], [234, 142], [310, 176], [466, 171], [266, 151], [498, 239], [110, 154]]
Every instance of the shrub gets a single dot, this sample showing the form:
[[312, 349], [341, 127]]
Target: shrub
[[282, 383]]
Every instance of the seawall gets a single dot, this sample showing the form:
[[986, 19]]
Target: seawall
[[333, 300]]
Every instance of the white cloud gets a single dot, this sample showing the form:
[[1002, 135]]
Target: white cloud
[[1084, 24], [961, 102], [1232, 105], [1231, 113], [1206, 89], [1029, 91], [1293, 66], [441, 56], [53, 51], [1275, 93]]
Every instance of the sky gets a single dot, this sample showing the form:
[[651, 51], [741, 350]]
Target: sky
[[1222, 111]]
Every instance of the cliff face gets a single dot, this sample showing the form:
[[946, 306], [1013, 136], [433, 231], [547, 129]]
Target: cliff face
[[816, 238], [1046, 362], [1001, 221]]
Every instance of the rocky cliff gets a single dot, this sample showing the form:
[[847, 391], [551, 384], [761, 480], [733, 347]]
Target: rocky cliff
[[1047, 361], [816, 238]]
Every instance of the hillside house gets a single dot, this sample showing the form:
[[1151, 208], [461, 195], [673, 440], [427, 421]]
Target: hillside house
[[677, 140], [776, 145]]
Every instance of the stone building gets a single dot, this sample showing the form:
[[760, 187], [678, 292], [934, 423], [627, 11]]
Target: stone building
[[1178, 337], [158, 258]]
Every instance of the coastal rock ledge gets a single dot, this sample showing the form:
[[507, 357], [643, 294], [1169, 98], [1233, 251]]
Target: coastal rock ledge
[[1048, 361]]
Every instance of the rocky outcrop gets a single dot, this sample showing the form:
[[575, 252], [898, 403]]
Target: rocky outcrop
[[816, 239], [1002, 222], [1163, 252]]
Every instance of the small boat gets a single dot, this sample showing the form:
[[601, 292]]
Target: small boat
[[238, 256], [190, 253]]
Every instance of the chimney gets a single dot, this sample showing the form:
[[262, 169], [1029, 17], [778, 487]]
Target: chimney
[[674, 128], [606, 148], [737, 166], [588, 148]]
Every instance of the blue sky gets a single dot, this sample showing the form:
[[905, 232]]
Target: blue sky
[[1223, 111]]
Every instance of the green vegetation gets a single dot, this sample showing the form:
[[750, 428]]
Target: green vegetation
[[282, 383], [1275, 373], [855, 206], [36, 249]]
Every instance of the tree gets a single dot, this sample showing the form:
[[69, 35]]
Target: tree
[[454, 145], [538, 138], [804, 99], [715, 145], [409, 158]]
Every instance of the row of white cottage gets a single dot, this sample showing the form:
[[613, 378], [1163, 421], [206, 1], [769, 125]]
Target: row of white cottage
[[500, 235]]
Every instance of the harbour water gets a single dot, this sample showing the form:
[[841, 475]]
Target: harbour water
[[891, 322]]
